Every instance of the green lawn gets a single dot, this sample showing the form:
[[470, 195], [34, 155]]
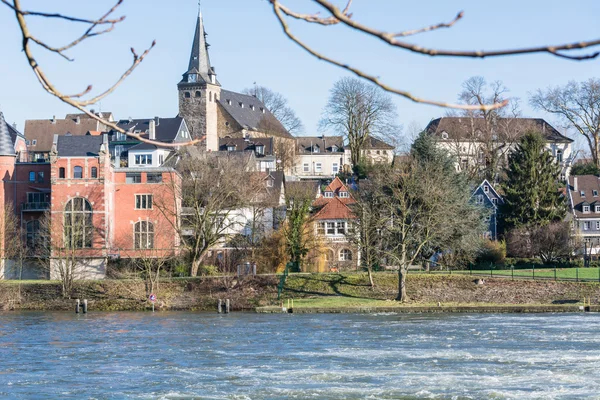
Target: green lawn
[[561, 273]]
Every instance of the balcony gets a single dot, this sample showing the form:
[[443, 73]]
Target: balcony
[[40, 206]]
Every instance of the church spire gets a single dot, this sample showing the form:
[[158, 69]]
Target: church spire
[[6, 145], [199, 66]]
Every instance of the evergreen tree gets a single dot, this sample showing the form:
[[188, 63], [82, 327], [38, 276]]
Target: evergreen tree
[[532, 186]]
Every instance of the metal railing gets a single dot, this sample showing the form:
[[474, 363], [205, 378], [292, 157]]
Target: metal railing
[[37, 206]]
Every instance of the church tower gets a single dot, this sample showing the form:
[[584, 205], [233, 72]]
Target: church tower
[[199, 91]]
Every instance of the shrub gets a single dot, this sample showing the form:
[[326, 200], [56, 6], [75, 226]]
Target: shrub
[[492, 252], [208, 270]]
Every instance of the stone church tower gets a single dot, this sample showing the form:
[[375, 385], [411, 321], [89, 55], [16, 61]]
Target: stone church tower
[[199, 91]]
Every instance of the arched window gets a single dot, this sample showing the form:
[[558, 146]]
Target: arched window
[[345, 255], [143, 235], [94, 172], [77, 172], [329, 255], [187, 95], [209, 96], [33, 232], [198, 93], [61, 172], [78, 224]]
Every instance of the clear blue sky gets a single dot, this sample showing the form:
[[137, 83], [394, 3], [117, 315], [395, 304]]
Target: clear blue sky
[[247, 46]]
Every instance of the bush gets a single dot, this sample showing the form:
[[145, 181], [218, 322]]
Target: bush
[[208, 270], [491, 252]]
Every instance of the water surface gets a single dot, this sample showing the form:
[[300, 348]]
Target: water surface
[[254, 356]]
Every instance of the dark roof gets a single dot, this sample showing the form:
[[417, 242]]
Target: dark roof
[[250, 113], [325, 143], [199, 58], [587, 184], [101, 114], [43, 130], [301, 187], [7, 147], [79, 146], [469, 128], [166, 130], [374, 143], [249, 144], [273, 194], [143, 146]]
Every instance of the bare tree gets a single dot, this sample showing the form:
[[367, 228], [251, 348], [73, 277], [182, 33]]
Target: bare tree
[[552, 242], [358, 110], [279, 107], [95, 27], [343, 16], [212, 189], [577, 103]]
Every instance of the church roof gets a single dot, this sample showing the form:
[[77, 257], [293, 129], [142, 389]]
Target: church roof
[[250, 113], [7, 147], [199, 57]]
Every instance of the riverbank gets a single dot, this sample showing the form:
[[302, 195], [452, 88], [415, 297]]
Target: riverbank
[[349, 292]]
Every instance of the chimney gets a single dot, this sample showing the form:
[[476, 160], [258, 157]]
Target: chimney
[[157, 121], [152, 130], [15, 126], [53, 120], [78, 120], [574, 183], [93, 111]]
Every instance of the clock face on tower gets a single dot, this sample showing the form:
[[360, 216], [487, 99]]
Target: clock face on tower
[[192, 78]]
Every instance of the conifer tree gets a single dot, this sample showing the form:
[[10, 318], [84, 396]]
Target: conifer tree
[[532, 186]]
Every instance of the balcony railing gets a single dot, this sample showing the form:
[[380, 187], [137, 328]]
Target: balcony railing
[[39, 206]]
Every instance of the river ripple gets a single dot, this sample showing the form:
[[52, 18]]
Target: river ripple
[[253, 356]]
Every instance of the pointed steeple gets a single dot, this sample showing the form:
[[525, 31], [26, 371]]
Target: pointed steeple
[[7, 147], [199, 68]]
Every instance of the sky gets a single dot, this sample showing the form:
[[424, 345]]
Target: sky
[[248, 47]]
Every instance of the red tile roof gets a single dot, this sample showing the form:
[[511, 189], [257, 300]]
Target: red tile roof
[[334, 208]]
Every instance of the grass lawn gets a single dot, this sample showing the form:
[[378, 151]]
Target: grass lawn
[[590, 274]]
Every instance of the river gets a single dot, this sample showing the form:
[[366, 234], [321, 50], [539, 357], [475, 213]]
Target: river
[[341, 356]]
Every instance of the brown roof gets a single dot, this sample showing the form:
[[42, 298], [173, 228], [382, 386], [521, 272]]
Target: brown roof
[[470, 128], [325, 143], [589, 186], [374, 143], [334, 208], [43, 130]]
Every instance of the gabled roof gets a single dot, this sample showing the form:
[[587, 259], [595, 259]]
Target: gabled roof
[[336, 186], [377, 144], [249, 144], [43, 130], [250, 113], [166, 130], [79, 146], [334, 208], [7, 146], [586, 184], [465, 128], [326, 144], [495, 193], [273, 195]]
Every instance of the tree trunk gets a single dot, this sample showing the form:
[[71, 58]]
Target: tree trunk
[[370, 272], [402, 297], [195, 267]]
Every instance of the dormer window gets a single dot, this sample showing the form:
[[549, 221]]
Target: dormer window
[[231, 148], [316, 149], [598, 209], [595, 193], [228, 101], [270, 182], [582, 193], [241, 104], [334, 148], [252, 107], [444, 135], [586, 209], [260, 149], [328, 195], [344, 195], [262, 110]]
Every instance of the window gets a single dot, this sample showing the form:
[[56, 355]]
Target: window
[[40, 177], [133, 178], [334, 148], [318, 167], [495, 200], [77, 172], [36, 197], [335, 168], [586, 209], [316, 149], [595, 193], [270, 182], [161, 159], [486, 188], [559, 156], [33, 142], [321, 228], [198, 94], [487, 218], [94, 172], [230, 148], [341, 228], [154, 178], [260, 149], [331, 228], [328, 194], [586, 226], [143, 201], [479, 199], [582, 193], [78, 224], [31, 176], [143, 159], [61, 172], [187, 95], [143, 235], [33, 233], [345, 255], [306, 167], [598, 225], [344, 195]]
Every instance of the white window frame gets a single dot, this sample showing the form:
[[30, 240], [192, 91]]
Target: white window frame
[[318, 167], [321, 228], [328, 195], [143, 159], [330, 228], [597, 208], [144, 201], [306, 167], [586, 225], [586, 209], [335, 168], [344, 194]]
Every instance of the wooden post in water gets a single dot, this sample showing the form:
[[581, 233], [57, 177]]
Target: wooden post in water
[[85, 306], [77, 304], [219, 306], [227, 306]]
